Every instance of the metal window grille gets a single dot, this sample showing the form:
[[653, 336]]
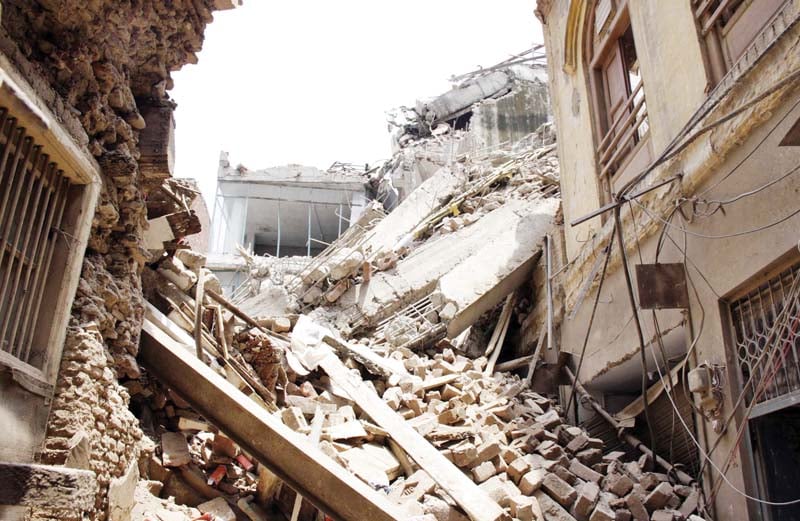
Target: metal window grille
[[766, 332], [33, 196]]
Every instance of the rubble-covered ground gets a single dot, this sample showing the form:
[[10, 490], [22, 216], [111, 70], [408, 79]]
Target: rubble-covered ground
[[509, 440]]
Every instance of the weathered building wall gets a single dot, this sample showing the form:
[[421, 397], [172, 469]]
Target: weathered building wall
[[726, 249], [569, 99], [668, 47], [508, 119], [97, 65]]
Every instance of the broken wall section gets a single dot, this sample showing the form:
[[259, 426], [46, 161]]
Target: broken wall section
[[100, 67]]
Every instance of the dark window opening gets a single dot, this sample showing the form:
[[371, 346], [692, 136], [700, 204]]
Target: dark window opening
[[461, 122]]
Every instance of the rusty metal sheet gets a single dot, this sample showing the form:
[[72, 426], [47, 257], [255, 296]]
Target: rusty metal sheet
[[662, 286]]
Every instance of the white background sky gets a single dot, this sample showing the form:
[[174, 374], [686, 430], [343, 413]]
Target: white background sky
[[310, 81]]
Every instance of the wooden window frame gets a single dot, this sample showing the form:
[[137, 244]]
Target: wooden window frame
[[64, 239], [619, 139], [717, 35]]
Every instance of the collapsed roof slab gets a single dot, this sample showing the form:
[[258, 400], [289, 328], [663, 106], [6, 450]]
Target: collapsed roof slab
[[463, 267], [420, 203], [460, 98], [502, 264]]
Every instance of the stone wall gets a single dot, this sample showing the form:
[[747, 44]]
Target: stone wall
[[97, 64]]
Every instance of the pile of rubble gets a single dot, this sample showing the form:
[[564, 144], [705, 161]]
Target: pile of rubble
[[393, 384]]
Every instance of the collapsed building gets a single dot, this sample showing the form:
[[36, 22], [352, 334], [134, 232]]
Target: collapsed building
[[489, 108], [462, 353]]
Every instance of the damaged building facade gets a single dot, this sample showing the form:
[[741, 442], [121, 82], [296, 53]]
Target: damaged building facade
[[490, 108], [85, 127], [677, 132]]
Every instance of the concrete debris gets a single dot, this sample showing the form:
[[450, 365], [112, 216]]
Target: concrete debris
[[460, 253], [506, 438]]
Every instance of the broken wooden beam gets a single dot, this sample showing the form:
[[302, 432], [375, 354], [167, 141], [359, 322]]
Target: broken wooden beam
[[302, 466], [475, 502]]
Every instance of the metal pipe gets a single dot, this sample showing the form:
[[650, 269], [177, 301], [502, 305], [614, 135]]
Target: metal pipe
[[628, 438], [308, 243]]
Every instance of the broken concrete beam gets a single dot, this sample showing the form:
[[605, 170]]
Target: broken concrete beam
[[458, 486], [261, 434]]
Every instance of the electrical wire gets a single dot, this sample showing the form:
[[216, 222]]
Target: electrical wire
[[703, 453], [725, 236], [754, 149], [674, 148]]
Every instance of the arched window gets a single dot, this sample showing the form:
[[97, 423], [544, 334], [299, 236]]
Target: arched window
[[618, 94]]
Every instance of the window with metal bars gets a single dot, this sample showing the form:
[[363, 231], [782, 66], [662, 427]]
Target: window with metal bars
[[33, 196], [766, 332]]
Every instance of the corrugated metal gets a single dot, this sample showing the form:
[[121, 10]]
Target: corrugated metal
[[672, 441]]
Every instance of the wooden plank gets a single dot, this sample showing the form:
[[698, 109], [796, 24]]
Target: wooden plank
[[198, 315], [291, 457], [502, 324], [372, 361], [475, 502], [536, 354], [316, 430]]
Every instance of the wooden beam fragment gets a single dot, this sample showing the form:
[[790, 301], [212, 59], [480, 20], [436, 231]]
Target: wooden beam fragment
[[475, 502], [302, 466]]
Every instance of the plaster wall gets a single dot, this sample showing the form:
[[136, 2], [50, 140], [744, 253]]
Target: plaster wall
[[569, 98], [718, 267], [668, 49], [745, 148]]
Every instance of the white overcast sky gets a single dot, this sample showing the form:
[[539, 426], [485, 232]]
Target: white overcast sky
[[310, 81]]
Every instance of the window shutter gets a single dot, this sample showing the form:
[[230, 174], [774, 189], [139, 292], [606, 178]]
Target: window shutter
[[615, 83]]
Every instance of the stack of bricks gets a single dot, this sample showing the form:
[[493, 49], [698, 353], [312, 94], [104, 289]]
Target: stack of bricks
[[506, 438]]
